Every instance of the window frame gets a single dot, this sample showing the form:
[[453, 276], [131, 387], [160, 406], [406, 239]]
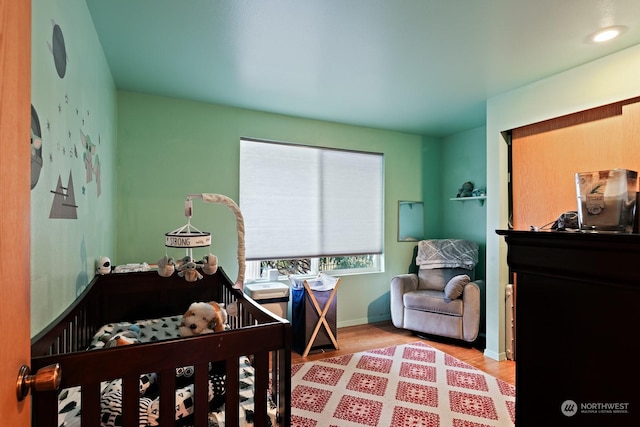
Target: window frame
[[254, 270], [253, 264]]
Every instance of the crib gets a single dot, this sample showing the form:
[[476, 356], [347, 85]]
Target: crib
[[254, 334]]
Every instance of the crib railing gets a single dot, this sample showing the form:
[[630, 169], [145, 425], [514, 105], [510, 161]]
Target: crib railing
[[254, 331], [89, 369], [70, 332]]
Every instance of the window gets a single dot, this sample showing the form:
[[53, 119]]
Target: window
[[311, 203]]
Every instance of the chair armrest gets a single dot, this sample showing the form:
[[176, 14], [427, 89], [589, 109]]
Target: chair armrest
[[400, 285], [472, 296], [483, 305]]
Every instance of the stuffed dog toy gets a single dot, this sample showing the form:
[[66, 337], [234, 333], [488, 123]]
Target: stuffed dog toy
[[203, 318]]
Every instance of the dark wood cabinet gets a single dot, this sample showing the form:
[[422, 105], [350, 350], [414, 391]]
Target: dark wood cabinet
[[576, 321]]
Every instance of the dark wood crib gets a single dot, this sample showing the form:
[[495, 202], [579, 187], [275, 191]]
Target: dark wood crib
[[146, 295]]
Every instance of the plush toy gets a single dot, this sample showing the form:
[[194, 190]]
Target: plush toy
[[210, 264], [189, 271], [232, 309], [477, 192], [166, 266], [103, 265], [183, 261], [466, 190], [203, 318], [130, 336]]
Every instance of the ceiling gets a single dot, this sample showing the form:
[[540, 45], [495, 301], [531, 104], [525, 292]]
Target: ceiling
[[417, 66]]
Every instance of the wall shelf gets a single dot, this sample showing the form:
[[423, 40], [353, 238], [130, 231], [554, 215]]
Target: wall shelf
[[480, 199]]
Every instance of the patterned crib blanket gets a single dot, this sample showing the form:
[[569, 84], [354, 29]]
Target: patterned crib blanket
[[111, 391], [447, 253]]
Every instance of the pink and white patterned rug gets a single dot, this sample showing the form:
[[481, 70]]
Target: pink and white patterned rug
[[408, 385]]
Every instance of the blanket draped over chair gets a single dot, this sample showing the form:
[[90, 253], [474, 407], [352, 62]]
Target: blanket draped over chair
[[447, 253]]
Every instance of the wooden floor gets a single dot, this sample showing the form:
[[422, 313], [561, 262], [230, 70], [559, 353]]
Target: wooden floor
[[354, 339]]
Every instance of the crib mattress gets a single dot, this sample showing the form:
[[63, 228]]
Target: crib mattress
[[153, 330]]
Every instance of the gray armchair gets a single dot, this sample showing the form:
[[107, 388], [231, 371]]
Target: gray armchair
[[445, 302]]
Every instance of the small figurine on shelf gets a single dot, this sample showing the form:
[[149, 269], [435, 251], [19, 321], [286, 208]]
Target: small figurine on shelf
[[477, 192], [466, 190]]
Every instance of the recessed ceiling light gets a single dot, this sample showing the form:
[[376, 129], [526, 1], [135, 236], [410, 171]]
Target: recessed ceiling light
[[606, 34]]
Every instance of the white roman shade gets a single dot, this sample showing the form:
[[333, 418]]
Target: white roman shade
[[301, 201]]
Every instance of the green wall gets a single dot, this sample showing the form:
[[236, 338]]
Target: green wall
[[168, 148], [464, 159], [431, 180], [74, 100], [132, 191]]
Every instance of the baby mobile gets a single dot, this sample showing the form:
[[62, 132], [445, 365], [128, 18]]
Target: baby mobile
[[188, 237]]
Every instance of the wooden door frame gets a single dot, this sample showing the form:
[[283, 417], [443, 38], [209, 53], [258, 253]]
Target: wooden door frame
[[15, 198]]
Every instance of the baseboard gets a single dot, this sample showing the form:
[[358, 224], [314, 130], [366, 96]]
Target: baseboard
[[495, 356], [363, 321]]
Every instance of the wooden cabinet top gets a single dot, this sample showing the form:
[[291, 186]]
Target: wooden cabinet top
[[586, 256]]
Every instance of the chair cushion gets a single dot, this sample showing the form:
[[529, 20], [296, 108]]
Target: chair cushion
[[432, 301], [437, 278], [455, 286]]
